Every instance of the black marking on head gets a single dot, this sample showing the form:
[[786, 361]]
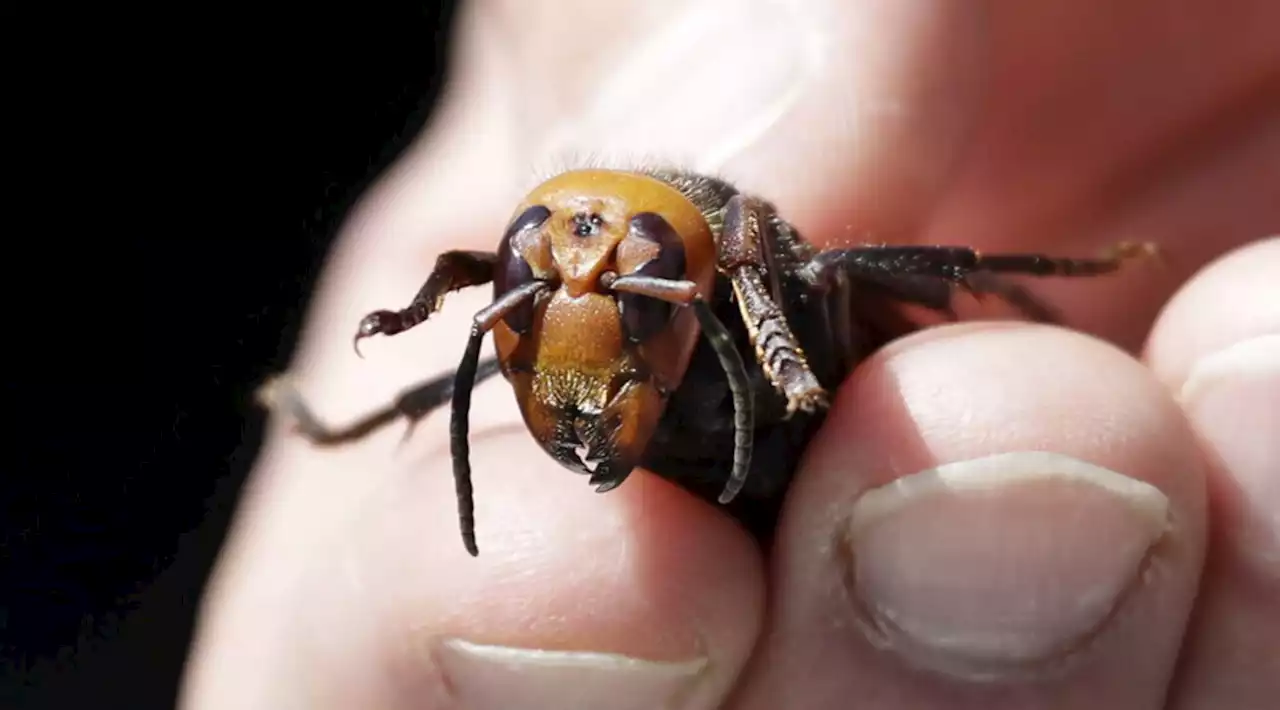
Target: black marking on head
[[644, 317], [513, 269]]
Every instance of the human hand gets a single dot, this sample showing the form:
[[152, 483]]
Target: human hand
[[1143, 578]]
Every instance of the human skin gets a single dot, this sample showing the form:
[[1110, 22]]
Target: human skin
[[924, 559]]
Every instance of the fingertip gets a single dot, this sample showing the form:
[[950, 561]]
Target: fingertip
[[1004, 504], [576, 599], [1216, 346]]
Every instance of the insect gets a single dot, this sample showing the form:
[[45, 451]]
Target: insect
[[664, 319]]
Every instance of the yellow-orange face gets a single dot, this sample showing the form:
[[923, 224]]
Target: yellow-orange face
[[591, 367]]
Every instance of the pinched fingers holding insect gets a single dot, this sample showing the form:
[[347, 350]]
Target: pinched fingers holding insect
[[658, 319], [1047, 552]]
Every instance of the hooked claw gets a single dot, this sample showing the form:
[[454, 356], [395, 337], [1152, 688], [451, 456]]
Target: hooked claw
[[384, 322]]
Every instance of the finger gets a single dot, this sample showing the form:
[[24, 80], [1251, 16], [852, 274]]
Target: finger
[[1073, 156], [1217, 347], [577, 600], [995, 516]]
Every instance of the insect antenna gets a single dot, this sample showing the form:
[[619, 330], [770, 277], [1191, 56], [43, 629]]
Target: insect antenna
[[684, 293], [464, 383]]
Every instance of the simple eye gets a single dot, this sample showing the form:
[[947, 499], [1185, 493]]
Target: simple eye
[[644, 317], [513, 270], [587, 225]]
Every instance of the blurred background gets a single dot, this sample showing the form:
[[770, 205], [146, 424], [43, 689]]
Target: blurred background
[[130, 376]]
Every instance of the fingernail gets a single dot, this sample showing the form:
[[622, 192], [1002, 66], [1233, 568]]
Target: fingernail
[[999, 565], [1233, 397], [485, 677]]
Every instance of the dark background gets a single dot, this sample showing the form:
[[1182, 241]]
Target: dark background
[[131, 382]]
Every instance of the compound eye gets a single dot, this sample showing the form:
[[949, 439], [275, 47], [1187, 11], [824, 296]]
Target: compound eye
[[642, 316], [513, 269]]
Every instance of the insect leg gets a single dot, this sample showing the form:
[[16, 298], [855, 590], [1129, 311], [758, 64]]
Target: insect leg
[[685, 293], [745, 258], [454, 270], [413, 404], [464, 383], [926, 274], [985, 283]]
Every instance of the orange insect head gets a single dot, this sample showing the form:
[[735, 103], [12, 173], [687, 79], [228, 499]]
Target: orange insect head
[[591, 366]]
